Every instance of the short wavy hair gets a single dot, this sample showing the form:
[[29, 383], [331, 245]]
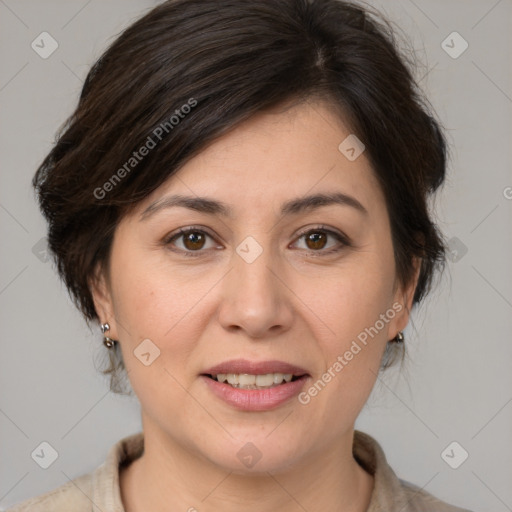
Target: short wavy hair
[[227, 61]]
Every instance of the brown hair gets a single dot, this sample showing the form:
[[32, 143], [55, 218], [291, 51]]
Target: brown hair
[[189, 71]]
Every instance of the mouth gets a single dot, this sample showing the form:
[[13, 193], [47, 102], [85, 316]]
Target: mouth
[[253, 392], [247, 374], [253, 381]]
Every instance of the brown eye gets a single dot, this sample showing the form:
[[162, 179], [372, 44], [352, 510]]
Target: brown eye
[[190, 242], [193, 240], [316, 240]]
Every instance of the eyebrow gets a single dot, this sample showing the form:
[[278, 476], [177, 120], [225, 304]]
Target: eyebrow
[[213, 207]]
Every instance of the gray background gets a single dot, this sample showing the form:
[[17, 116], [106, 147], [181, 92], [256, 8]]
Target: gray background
[[456, 384]]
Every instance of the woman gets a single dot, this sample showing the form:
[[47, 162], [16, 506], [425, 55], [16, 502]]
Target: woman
[[240, 202]]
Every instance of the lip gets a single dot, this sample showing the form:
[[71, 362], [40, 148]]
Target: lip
[[255, 399], [255, 367]]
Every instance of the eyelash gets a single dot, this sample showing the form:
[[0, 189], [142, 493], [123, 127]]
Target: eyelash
[[194, 254]]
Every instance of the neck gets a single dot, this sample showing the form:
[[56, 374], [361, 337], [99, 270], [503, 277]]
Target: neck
[[169, 477]]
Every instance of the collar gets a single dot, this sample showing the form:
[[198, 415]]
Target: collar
[[389, 492]]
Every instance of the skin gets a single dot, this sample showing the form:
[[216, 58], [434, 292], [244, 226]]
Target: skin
[[293, 303]]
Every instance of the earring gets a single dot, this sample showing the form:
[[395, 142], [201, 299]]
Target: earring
[[108, 342], [399, 338]]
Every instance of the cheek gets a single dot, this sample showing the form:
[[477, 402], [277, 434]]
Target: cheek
[[148, 299], [156, 301], [358, 308], [352, 355], [353, 300]]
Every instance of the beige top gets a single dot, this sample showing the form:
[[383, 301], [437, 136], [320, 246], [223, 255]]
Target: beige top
[[99, 490]]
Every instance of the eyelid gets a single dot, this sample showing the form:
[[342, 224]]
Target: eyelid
[[338, 234], [184, 231]]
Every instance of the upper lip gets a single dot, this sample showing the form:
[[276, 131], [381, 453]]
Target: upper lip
[[255, 367]]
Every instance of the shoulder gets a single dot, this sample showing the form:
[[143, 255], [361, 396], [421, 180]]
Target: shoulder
[[95, 491], [418, 500], [72, 496], [390, 492]]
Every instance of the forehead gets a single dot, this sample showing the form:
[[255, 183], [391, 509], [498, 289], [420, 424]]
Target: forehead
[[274, 156]]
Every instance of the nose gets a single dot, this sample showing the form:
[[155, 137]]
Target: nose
[[256, 298]]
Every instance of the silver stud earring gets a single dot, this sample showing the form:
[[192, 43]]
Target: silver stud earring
[[108, 342], [399, 338]]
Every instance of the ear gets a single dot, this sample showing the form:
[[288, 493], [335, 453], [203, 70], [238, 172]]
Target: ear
[[102, 297], [404, 296]]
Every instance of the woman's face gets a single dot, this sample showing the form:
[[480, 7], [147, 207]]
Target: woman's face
[[270, 276]]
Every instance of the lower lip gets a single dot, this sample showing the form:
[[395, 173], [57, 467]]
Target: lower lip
[[256, 399]]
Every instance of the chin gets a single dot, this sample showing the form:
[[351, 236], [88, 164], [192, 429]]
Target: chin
[[255, 454]]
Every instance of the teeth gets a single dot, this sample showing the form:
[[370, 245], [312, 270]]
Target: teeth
[[265, 380], [246, 381], [278, 378]]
